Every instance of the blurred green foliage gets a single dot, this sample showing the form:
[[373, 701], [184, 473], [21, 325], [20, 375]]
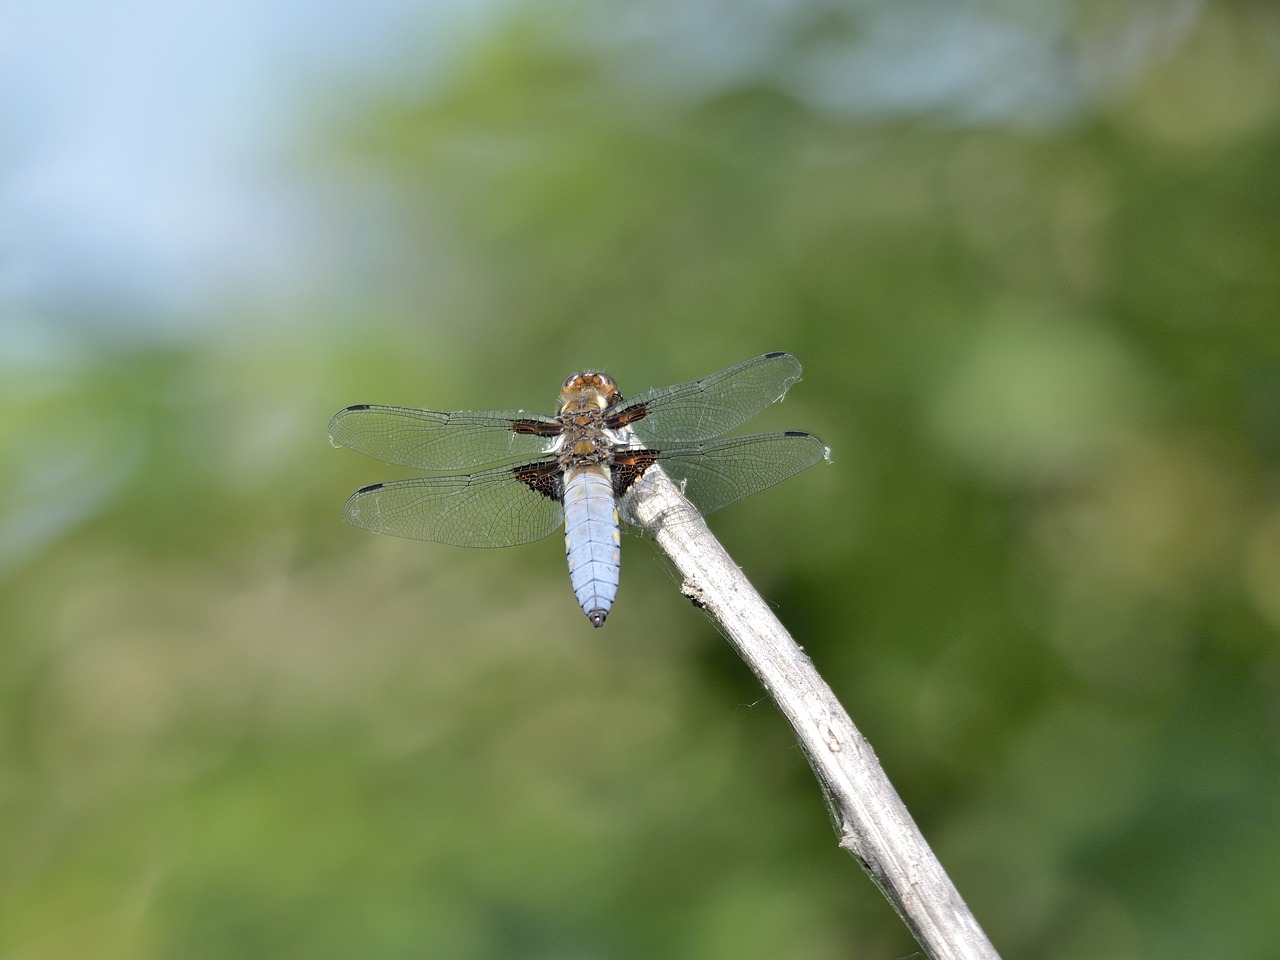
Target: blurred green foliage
[[1043, 573]]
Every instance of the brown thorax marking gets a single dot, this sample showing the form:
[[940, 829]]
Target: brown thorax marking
[[583, 399]]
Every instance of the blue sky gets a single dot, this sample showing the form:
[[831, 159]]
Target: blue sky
[[138, 141]]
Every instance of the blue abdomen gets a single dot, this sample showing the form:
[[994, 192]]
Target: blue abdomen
[[591, 541]]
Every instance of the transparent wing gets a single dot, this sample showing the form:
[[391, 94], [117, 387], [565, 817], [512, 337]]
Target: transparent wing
[[492, 508], [711, 406], [720, 472], [431, 440]]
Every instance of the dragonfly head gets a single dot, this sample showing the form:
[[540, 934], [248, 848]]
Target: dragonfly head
[[588, 391]]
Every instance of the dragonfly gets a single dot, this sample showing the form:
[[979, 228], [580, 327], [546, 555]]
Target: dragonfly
[[498, 478]]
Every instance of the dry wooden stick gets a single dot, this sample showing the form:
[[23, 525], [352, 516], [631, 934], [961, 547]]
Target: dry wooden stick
[[871, 819]]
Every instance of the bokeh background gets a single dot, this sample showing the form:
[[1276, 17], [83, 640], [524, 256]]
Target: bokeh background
[[1030, 256]]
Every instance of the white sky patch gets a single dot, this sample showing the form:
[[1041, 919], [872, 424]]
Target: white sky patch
[[137, 140]]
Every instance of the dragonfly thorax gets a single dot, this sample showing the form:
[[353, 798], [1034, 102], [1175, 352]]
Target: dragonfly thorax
[[585, 439]]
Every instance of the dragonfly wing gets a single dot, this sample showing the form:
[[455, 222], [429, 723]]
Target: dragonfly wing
[[499, 507], [432, 440], [711, 406], [720, 472]]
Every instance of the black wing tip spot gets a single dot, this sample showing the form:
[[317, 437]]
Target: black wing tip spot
[[774, 355], [372, 486], [360, 406], [597, 616]]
